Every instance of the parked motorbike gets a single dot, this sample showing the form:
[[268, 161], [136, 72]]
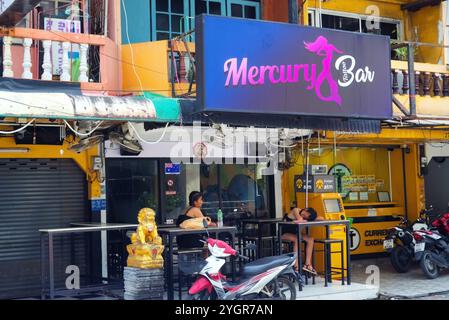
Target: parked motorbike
[[404, 246], [266, 278], [436, 255]]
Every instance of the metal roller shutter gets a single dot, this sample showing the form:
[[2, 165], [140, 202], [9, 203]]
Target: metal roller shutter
[[37, 194]]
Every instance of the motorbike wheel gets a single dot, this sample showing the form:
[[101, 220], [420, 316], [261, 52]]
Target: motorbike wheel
[[286, 289], [401, 259], [428, 267]]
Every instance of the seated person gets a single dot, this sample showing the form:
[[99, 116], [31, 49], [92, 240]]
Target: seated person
[[190, 241], [290, 234]]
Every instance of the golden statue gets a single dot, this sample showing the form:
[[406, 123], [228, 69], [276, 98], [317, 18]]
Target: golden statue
[[145, 250]]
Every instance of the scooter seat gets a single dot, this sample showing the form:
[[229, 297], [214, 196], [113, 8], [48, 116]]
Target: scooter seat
[[264, 264]]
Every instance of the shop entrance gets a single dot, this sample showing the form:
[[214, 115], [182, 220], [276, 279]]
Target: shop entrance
[[240, 190], [371, 182], [437, 185]]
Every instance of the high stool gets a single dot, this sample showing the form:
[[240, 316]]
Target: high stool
[[290, 247], [329, 271], [187, 259]]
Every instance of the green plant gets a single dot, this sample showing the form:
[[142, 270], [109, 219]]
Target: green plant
[[402, 53]]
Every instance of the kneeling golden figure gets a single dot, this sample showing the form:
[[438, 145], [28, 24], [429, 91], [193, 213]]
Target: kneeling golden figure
[[145, 250]]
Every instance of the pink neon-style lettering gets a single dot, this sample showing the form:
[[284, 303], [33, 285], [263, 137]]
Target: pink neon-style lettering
[[239, 74], [230, 66], [322, 48]]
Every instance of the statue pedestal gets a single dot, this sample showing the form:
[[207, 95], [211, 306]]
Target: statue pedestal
[[145, 256], [143, 284]]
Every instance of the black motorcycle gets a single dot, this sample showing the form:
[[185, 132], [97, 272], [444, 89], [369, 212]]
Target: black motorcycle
[[402, 245]]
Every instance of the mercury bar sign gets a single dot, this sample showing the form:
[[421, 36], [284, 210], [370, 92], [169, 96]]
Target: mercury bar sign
[[276, 68]]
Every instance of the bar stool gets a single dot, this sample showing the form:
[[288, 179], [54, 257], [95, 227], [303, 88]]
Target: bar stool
[[187, 258], [329, 271]]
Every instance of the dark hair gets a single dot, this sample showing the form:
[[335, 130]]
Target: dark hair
[[194, 196], [313, 214]]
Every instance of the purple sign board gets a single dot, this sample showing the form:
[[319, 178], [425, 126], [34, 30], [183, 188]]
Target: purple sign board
[[249, 66]]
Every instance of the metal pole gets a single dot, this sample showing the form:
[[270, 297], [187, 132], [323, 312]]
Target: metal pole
[[42, 266], [348, 256], [411, 78], [51, 266]]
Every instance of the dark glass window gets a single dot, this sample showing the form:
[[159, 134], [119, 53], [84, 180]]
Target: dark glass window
[[177, 6], [176, 23], [162, 22], [250, 12], [340, 23], [162, 5], [215, 8], [236, 10], [200, 7], [210, 188], [132, 184], [386, 28], [162, 36], [174, 193], [166, 18]]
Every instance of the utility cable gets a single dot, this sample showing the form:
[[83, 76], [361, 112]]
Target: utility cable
[[18, 130], [83, 134], [149, 142]]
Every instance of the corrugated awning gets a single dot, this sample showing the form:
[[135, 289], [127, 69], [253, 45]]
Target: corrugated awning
[[22, 98], [148, 108]]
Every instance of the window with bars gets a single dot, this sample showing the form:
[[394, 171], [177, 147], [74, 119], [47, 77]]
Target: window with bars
[[174, 17], [167, 18], [243, 9], [354, 23], [217, 7]]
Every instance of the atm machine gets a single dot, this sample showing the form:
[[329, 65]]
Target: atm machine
[[322, 196]]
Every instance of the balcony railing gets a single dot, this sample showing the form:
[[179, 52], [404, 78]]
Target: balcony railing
[[29, 54], [430, 80]]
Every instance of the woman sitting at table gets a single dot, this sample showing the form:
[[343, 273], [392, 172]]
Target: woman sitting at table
[[189, 241], [290, 234]]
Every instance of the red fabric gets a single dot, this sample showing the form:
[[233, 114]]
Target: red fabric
[[223, 245], [442, 224]]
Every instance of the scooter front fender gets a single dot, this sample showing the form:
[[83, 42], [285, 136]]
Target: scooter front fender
[[200, 284]]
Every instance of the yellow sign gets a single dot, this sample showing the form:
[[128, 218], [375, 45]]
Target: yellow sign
[[319, 184], [299, 184]]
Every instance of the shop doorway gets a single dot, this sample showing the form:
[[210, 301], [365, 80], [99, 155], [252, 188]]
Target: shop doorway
[[437, 185], [241, 190]]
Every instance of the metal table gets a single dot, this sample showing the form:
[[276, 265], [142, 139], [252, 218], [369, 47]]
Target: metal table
[[326, 224], [50, 233], [170, 233], [260, 222]]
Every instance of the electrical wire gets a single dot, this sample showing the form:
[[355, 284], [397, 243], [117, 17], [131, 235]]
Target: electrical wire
[[148, 142], [83, 134], [18, 130], [131, 47]]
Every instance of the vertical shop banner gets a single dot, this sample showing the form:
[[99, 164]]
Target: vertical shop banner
[[264, 67], [63, 25]]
